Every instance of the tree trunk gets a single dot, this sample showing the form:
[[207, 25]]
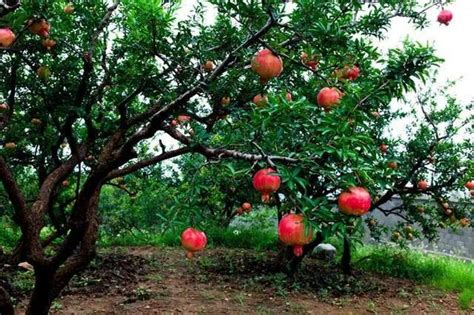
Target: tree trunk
[[346, 256], [18, 254], [288, 262], [41, 298], [6, 307]]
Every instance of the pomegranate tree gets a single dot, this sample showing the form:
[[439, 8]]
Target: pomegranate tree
[[193, 241], [266, 181], [293, 231]]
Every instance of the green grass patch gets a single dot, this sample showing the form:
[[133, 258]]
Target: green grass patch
[[217, 237], [441, 272]]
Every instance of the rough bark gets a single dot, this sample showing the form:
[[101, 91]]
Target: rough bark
[[346, 256], [6, 306]]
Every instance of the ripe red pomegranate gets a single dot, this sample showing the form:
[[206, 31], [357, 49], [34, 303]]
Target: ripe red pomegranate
[[193, 241], [65, 183], [422, 185], [267, 65], [3, 106], [183, 119], [383, 148], [328, 97], [7, 37], [469, 185], [246, 207], [288, 97], [40, 27], [445, 16], [293, 231], [260, 100], [355, 201], [174, 123], [49, 43], [266, 181], [353, 73]]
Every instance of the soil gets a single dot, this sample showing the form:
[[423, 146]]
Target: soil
[[150, 280]]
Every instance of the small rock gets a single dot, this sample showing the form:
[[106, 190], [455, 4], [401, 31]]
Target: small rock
[[324, 251]]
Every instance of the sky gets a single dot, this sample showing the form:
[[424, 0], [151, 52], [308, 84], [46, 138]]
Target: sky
[[454, 43]]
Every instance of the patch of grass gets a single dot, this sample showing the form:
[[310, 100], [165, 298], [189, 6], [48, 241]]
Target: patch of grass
[[24, 281], [217, 237], [465, 299], [441, 272], [9, 235]]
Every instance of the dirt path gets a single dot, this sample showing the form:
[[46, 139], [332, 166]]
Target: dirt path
[[149, 280]]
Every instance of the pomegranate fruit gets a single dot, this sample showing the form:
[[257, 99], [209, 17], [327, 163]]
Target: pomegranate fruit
[[65, 183], [48, 43], [288, 97], [225, 101], [174, 123], [193, 241], [445, 16], [469, 185], [310, 62], [266, 181], [472, 193], [3, 106], [40, 27], [354, 201], [7, 37], [208, 66], [246, 207], [267, 65], [422, 185], [293, 231], [328, 97], [183, 119], [260, 100], [353, 73], [393, 165], [383, 148]]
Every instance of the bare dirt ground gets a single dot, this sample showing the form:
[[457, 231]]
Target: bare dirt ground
[[148, 280]]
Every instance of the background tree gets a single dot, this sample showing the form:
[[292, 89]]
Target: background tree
[[91, 86]]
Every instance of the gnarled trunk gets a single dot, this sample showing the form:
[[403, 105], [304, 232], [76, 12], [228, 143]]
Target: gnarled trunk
[[6, 306], [346, 256]]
